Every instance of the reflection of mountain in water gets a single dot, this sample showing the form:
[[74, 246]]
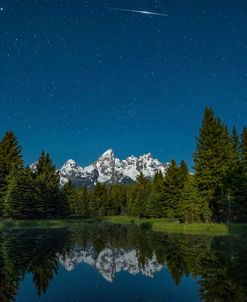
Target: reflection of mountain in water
[[111, 261], [217, 263]]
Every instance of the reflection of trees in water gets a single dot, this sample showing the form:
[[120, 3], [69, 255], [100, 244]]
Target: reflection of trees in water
[[29, 251], [219, 263], [43, 273], [8, 286], [224, 279], [9, 277]]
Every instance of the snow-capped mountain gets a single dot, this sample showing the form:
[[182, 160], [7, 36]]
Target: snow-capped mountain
[[79, 176], [110, 261], [110, 169]]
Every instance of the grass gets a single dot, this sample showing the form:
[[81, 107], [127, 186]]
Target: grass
[[43, 223], [155, 224], [202, 229], [160, 225]]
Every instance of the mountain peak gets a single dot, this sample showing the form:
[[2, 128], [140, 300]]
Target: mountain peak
[[108, 153], [111, 170], [71, 162], [147, 155]]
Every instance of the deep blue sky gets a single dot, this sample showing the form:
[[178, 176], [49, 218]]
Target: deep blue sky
[[77, 79]]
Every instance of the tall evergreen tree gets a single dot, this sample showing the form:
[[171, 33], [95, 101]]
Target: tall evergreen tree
[[237, 183], [131, 197], [117, 200], [48, 181], [158, 181], [236, 194], [22, 198], [143, 189], [244, 147], [213, 157], [68, 200], [236, 143], [171, 193], [83, 196], [173, 184], [155, 201], [192, 207], [183, 172], [234, 183], [99, 203], [154, 204], [10, 157]]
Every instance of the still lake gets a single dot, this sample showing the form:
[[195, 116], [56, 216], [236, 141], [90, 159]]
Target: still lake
[[104, 262]]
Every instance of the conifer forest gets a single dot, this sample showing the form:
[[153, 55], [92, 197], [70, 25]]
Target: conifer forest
[[213, 190]]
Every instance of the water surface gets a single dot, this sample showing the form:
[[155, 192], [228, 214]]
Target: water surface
[[103, 262]]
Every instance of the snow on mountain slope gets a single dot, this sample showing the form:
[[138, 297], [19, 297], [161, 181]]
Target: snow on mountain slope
[[111, 261], [109, 169], [132, 166], [106, 166]]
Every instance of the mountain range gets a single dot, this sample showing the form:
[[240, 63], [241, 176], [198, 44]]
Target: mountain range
[[111, 261], [109, 169]]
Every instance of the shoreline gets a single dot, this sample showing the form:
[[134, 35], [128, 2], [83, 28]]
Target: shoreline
[[160, 225], [153, 224]]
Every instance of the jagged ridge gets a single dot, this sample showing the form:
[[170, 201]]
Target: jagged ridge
[[109, 169], [110, 261]]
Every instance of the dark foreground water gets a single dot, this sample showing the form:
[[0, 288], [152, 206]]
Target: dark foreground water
[[100, 262]]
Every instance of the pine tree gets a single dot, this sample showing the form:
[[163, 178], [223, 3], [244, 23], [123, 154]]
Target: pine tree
[[143, 189], [83, 202], [10, 157], [244, 147], [234, 182], [117, 200], [183, 172], [171, 193], [237, 183], [68, 200], [138, 208], [213, 157], [21, 199], [154, 204], [236, 194], [141, 181], [173, 184], [131, 197], [47, 180], [99, 203], [192, 207], [155, 201], [158, 181], [236, 143]]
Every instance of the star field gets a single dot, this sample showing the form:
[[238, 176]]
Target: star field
[[77, 79]]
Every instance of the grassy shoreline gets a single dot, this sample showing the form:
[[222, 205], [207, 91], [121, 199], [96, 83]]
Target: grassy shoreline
[[160, 225], [43, 223], [154, 224]]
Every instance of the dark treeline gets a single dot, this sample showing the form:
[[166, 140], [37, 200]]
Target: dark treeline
[[216, 191], [213, 261]]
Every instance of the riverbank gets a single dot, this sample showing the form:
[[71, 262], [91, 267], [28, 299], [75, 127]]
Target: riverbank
[[154, 224], [160, 225], [44, 223]]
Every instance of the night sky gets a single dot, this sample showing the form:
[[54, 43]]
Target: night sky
[[77, 79]]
